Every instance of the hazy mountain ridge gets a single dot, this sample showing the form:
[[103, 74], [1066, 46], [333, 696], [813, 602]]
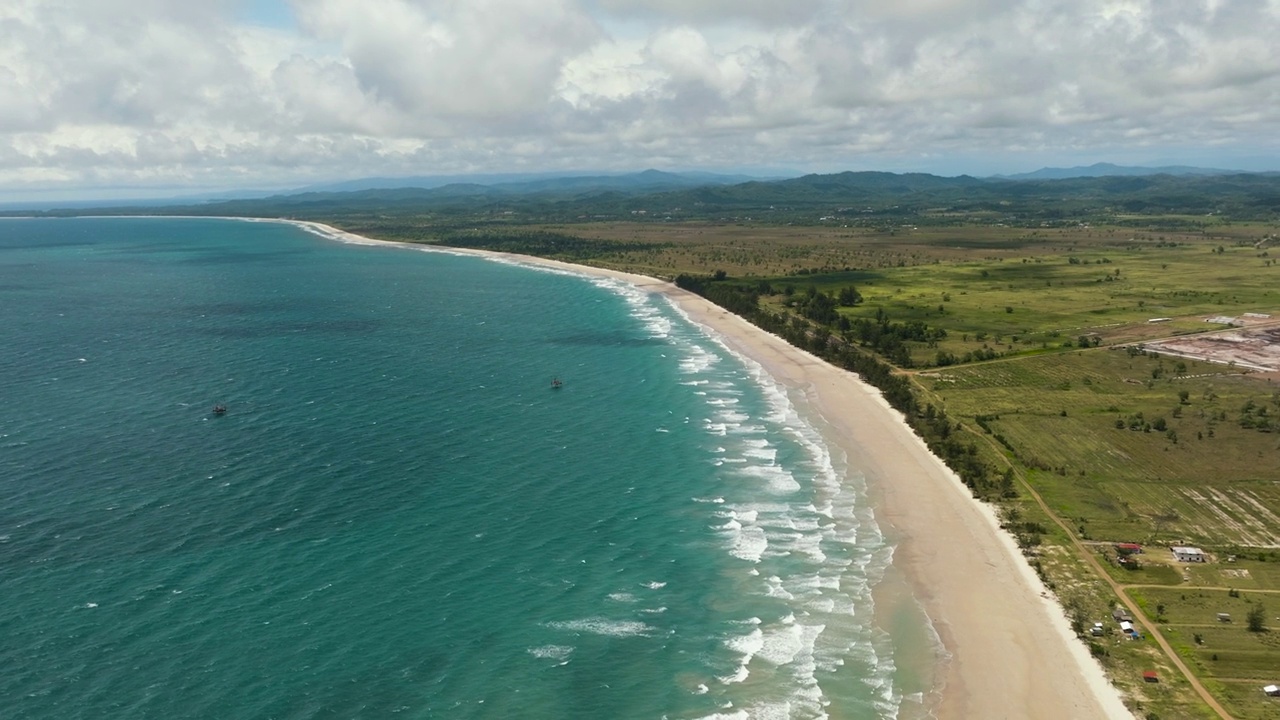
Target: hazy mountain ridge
[[523, 183], [1103, 169], [805, 199]]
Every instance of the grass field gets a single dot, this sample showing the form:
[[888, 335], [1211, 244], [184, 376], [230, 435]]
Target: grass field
[[1198, 478], [1042, 302], [1227, 654], [746, 249]]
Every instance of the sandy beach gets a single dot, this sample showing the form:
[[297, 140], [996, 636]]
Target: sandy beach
[[1009, 650]]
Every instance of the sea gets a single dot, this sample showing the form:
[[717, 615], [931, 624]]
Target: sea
[[398, 515]]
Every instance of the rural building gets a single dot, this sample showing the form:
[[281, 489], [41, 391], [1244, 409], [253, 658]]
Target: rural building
[[1121, 615], [1150, 676], [1188, 554], [1272, 690], [1097, 630], [1224, 617], [1128, 548]]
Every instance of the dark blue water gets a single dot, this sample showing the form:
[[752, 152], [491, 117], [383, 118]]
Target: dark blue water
[[397, 515]]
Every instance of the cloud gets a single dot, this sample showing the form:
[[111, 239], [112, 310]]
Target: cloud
[[170, 91], [766, 12], [469, 59]]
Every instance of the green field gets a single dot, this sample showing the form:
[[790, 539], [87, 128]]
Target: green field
[[1036, 300], [1226, 654], [1210, 482]]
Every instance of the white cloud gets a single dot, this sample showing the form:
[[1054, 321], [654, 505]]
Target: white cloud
[[768, 12], [470, 59], [177, 92]]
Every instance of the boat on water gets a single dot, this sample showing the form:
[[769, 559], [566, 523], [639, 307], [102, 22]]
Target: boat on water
[[556, 384], [219, 409]]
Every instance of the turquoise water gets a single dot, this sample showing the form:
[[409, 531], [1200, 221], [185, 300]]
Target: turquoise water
[[397, 515]]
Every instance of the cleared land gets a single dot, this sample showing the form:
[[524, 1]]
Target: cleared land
[[1256, 349]]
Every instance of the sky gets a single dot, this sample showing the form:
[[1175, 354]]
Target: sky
[[151, 97]]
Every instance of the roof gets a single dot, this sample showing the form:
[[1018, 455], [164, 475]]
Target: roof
[[1129, 546], [1187, 550]]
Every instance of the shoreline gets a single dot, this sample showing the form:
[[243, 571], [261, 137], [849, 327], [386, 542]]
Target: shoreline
[[1008, 649]]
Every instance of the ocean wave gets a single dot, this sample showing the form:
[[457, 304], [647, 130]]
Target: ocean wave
[[552, 652], [746, 646], [735, 715], [604, 626], [803, 522]]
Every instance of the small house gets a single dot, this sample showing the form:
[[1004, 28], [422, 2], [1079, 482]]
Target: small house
[[1224, 617], [1128, 548], [1126, 626], [1097, 630], [1150, 676], [1183, 553], [1121, 615], [1272, 690]]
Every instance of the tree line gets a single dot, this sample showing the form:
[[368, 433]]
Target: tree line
[[841, 348]]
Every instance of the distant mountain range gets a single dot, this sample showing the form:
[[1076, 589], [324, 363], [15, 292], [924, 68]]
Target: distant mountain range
[[435, 189], [649, 181], [531, 183], [1108, 170], [1050, 194], [440, 186]]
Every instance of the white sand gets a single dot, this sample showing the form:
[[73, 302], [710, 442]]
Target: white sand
[[1011, 652]]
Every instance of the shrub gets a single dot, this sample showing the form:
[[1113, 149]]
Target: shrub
[[1257, 618]]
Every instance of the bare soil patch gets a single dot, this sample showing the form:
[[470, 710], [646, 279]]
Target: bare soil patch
[[1256, 348]]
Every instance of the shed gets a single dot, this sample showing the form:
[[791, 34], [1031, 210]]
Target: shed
[[1150, 676], [1120, 614], [1187, 554], [1128, 548], [1224, 617], [1272, 690], [1126, 626]]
